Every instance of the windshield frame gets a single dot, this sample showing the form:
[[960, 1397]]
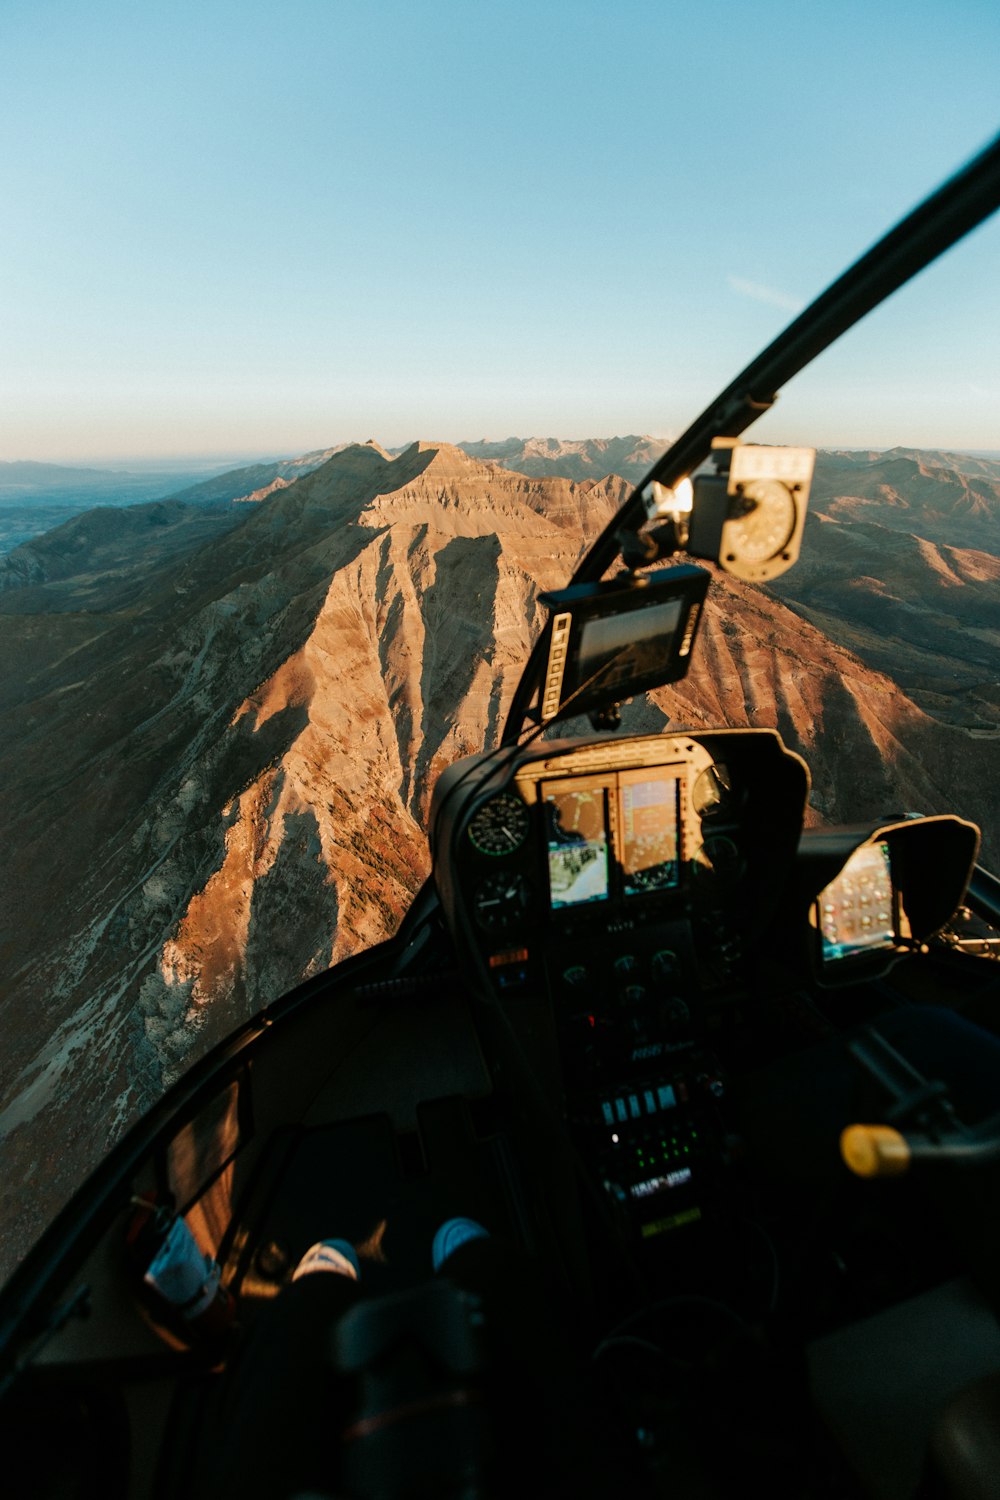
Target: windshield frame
[[947, 215]]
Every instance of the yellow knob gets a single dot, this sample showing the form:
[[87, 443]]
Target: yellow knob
[[874, 1150]]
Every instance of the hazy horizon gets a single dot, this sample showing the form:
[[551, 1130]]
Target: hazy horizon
[[183, 462]]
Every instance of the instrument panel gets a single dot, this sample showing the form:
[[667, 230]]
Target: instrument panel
[[595, 841], [608, 894], [603, 844]]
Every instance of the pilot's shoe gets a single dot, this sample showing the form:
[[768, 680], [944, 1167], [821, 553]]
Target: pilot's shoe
[[329, 1255], [454, 1232]]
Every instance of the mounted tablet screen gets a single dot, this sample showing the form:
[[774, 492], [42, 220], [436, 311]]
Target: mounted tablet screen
[[609, 646], [609, 641]]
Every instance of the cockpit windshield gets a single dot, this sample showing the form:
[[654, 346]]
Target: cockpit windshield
[[240, 643]]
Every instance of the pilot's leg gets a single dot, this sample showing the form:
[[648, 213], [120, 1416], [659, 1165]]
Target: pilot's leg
[[283, 1408], [535, 1387]]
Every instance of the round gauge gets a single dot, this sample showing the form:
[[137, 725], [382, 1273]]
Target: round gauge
[[712, 792], [500, 826], [764, 521], [718, 863], [500, 900], [665, 964]]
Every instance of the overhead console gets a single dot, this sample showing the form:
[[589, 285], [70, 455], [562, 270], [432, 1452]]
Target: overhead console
[[609, 894]]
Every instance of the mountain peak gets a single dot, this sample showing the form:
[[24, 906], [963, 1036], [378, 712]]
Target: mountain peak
[[443, 463]]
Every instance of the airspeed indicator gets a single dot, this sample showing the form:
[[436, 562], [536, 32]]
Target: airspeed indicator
[[500, 826]]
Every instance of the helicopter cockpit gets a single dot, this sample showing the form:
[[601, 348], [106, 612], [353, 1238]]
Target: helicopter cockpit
[[675, 1047]]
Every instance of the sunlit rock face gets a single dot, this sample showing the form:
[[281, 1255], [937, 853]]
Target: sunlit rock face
[[219, 733]]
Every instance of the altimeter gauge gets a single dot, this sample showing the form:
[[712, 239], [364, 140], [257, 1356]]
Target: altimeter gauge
[[718, 864], [500, 826], [500, 900]]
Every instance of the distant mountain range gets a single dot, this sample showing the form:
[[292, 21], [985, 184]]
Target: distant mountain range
[[221, 719], [948, 498], [585, 458], [36, 496], [27, 484], [901, 564]]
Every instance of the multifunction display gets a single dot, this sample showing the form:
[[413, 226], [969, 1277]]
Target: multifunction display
[[577, 838], [857, 910], [610, 640], [620, 829], [610, 654], [649, 855]]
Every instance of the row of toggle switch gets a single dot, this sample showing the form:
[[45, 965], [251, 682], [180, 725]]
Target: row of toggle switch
[[636, 1107]]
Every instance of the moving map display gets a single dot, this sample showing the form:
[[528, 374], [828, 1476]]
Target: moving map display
[[577, 839], [648, 813]]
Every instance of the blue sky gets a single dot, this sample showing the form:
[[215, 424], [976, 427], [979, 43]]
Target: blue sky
[[241, 228]]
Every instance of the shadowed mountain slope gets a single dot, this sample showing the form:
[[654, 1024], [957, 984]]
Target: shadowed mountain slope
[[90, 549], [244, 483]]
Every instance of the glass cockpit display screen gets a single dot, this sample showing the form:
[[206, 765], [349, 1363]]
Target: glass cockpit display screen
[[609, 645], [856, 910], [577, 841], [649, 831]]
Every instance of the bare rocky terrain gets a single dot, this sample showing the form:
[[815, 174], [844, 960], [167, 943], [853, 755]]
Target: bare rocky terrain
[[900, 564], [220, 725], [584, 458]]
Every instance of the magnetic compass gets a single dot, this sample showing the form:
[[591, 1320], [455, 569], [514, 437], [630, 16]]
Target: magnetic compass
[[761, 521]]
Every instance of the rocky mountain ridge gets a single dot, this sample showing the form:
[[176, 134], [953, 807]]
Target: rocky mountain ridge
[[955, 504], [900, 564], [582, 458]]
